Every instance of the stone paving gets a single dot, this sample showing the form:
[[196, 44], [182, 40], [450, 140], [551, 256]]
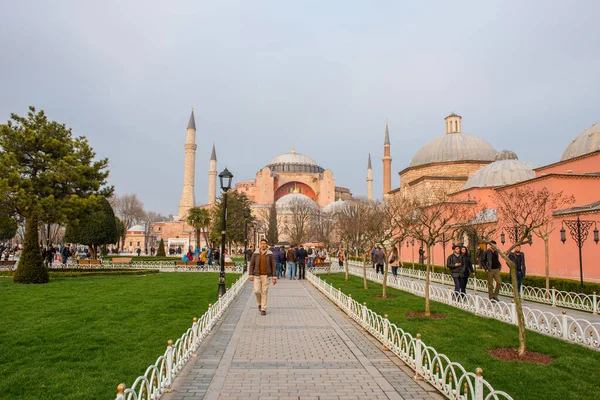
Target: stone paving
[[304, 348]]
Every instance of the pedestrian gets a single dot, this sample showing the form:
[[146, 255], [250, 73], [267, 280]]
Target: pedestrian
[[291, 262], [379, 258], [65, 253], [217, 256], [421, 255], [261, 270], [518, 258], [455, 265], [282, 260], [340, 256], [394, 261], [277, 257], [373, 250], [491, 264], [301, 255], [467, 269], [312, 253]]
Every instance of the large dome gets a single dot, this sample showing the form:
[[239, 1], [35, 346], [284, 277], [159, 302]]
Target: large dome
[[335, 206], [508, 169], [294, 162], [454, 147], [289, 200], [588, 141]]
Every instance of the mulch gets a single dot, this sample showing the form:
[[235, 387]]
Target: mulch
[[422, 315], [510, 354]]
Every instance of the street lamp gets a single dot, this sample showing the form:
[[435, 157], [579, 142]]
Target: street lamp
[[246, 217], [225, 180], [514, 235], [444, 241], [579, 232], [412, 243]]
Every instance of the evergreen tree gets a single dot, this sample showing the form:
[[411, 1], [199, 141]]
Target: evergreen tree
[[236, 202], [44, 171], [273, 232], [95, 228], [160, 252], [8, 226]]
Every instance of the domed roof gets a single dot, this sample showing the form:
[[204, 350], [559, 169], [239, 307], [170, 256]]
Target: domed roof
[[335, 206], [136, 228], [506, 171], [588, 141], [454, 147], [292, 158], [286, 202]]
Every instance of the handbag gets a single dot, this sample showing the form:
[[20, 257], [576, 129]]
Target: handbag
[[392, 259]]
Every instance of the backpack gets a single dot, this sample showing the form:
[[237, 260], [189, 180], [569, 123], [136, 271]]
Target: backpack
[[310, 251]]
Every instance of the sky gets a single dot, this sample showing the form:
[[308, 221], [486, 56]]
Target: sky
[[323, 76]]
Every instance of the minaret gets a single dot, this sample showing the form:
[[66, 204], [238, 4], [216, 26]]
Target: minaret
[[387, 162], [369, 180], [212, 177], [189, 170]]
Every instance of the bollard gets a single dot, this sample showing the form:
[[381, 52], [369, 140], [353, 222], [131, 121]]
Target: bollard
[[565, 328], [513, 309], [553, 297], [195, 329], [479, 384], [121, 391], [418, 359], [595, 304]]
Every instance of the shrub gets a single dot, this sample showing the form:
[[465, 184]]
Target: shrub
[[31, 267], [160, 252]]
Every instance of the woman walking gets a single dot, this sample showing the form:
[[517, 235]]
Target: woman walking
[[394, 262], [466, 270]]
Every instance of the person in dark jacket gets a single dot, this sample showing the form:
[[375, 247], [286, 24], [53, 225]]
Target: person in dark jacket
[[301, 255], [491, 264], [379, 258], [519, 259], [291, 262], [262, 267], [277, 257], [467, 269], [455, 265]]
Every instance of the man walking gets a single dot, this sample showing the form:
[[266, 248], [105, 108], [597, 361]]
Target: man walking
[[519, 259], [454, 264], [261, 269], [491, 265], [291, 262], [379, 258], [301, 255]]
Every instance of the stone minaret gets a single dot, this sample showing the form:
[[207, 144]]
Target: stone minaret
[[212, 177], [189, 170], [387, 162], [369, 180]]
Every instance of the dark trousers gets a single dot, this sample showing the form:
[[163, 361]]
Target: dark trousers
[[457, 283], [301, 270], [463, 284], [379, 267]]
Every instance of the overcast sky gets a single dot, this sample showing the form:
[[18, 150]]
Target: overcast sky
[[321, 75]]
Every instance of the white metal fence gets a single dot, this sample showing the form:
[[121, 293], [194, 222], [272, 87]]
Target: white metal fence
[[576, 301], [159, 377], [578, 331], [162, 266], [448, 377]]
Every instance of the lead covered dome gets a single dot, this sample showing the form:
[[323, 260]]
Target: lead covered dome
[[586, 142], [454, 146], [287, 202], [506, 170], [294, 162]]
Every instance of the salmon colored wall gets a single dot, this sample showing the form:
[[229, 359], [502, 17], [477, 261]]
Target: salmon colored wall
[[579, 166]]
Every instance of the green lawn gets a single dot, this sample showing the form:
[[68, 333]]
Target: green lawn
[[465, 338], [77, 338]]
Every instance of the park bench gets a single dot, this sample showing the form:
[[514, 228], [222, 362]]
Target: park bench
[[8, 263], [88, 262], [121, 260], [185, 263]]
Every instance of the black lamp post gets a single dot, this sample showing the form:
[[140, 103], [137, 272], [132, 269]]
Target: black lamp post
[[579, 230], [225, 180], [246, 217], [444, 241], [514, 236]]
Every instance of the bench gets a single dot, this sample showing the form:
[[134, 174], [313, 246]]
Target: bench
[[8, 263], [89, 262], [185, 263], [121, 260]]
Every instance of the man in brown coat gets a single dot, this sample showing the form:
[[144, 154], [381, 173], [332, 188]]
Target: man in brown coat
[[262, 267]]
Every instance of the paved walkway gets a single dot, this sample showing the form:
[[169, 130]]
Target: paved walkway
[[304, 348]]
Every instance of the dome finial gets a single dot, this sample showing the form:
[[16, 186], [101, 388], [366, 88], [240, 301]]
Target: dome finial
[[293, 149]]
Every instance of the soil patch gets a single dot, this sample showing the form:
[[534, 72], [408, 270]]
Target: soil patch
[[389, 296], [422, 315], [509, 354]]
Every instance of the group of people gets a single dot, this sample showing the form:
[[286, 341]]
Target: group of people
[[294, 261], [490, 261], [6, 250], [203, 256]]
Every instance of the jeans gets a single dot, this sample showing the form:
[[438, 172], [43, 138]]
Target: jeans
[[291, 267], [310, 262], [278, 266], [301, 270], [463, 284], [395, 271], [379, 267], [456, 280], [519, 283]]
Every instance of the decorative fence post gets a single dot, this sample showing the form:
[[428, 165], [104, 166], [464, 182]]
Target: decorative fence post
[[386, 332], [565, 328], [513, 310], [121, 391], [479, 384], [449, 296], [169, 355], [553, 297], [418, 359], [195, 330], [349, 304], [595, 305], [364, 314]]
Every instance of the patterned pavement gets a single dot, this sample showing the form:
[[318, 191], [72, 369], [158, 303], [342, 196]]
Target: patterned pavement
[[304, 348]]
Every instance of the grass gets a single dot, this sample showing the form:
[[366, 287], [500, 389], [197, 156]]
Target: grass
[[465, 338], [79, 338]]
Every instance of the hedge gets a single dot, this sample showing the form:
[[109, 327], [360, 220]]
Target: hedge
[[74, 273]]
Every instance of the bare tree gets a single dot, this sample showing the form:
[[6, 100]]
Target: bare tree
[[298, 219], [129, 209], [323, 228], [151, 218]]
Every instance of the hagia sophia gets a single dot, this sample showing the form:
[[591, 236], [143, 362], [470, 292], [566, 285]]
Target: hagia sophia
[[463, 165]]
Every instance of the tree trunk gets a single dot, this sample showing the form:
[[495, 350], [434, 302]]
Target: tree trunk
[[346, 264], [365, 271], [518, 305], [547, 259], [427, 306], [385, 275]]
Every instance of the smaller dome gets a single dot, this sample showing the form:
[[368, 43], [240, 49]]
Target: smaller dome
[[136, 228], [501, 173], [586, 142], [335, 206], [289, 200], [506, 155]]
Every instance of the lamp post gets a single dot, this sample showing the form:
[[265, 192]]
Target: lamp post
[[513, 234], [444, 241], [246, 217], [225, 180], [412, 243], [579, 230]]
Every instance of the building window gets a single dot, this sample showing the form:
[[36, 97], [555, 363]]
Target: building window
[[138, 244], [130, 244], [159, 228]]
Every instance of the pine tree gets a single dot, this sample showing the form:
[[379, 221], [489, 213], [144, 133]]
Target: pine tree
[[272, 232], [160, 252]]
